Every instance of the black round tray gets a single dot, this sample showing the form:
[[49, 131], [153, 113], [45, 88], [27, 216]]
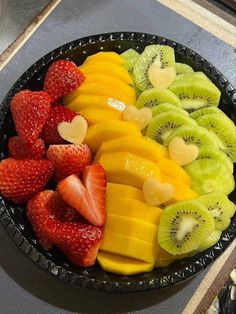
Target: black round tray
[[13, 217]]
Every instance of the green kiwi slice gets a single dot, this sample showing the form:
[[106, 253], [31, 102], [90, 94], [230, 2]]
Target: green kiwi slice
[[223, 130], [164, 55], [165, 107], [155, 96], [184, 226], [207, 110], [220, 207], [162, 125], [193, 135], [211, 240], [182, 68], [206, 152], [130, 56], [210, 176]]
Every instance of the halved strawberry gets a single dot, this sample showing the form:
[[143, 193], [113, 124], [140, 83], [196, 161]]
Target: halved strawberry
[[20, 149], [62, 77], [56, 115], [88, 199], [20, 180], [69, 159], [30, 111]]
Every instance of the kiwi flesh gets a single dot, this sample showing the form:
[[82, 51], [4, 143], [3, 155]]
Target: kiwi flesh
[[165, 107], [206, 152], [210, 176], [164, 56], [130, 56], [220, 207], [223, 130], [154, 96], [207, 110], [211, 240], [191, 134], [182, 68], [184, 226], [161, 126]]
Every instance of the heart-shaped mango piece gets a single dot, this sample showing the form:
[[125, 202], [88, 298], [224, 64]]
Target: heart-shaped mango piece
[[181, 152], [155, 192], [141, 117], [74, 131]]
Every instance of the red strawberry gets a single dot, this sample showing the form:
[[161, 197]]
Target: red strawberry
[[20, 180], [71, 214], [30, 111], [43, 211], [88, 199], [20, 149], [69, 159], [78, 241], [62, 78], [57, 115]]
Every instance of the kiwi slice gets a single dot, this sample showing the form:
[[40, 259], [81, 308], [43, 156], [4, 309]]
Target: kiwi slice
[[195, 92], [210, 176], [165, 107], [223, 130], [211, 240], [161, 126], [155, 96], [193, 135], [220, 207], [182, 68], [130, 56], [207, 110], [162, 56], [184, 226], [206, 152]]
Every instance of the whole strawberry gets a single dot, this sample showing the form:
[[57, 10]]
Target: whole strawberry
[[20, 180], [43, 212], [56, 115], [62, 78], [69, 159], [30, 111], [20, 149]]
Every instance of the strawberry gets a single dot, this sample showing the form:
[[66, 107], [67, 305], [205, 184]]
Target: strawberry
[[20, 149], [71, 214], [20, 180], [43, 211], [56, 115], [78, 241], [88, 198], [62, 78], [69, 159], [30, 111]]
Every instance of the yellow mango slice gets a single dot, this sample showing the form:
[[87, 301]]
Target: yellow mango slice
[[126, 191], [132, 227], [164, 258], [130, 169], [142, 147], [107, 67], [95, 114], [122, 265], [181, 191], [110, 56], [104, 131], [127, 246], [132, 208], [172, 169]]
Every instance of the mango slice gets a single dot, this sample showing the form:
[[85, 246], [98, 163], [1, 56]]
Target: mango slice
[[139, 146], [95, 114], [110, 56], [104, 131], [126, 168], [131, 227], [127, 246], [122, 265], [126, 191], [132, 208]]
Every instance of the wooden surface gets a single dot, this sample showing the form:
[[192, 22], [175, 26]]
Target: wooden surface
[[203, 18]]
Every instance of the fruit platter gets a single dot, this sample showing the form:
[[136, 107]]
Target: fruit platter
[[117, 163]]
